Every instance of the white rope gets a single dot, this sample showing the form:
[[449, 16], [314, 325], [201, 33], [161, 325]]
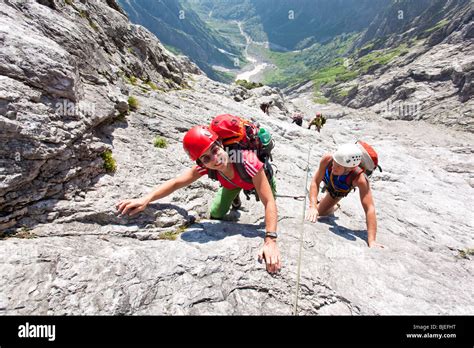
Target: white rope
[[298, 273]]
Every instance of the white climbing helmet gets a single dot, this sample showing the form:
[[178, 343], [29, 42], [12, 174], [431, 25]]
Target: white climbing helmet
[[348, 155]]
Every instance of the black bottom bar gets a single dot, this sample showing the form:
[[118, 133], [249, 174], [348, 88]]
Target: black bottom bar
[[243, 331]]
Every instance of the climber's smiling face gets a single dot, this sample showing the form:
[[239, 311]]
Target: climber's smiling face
[[215, 158]]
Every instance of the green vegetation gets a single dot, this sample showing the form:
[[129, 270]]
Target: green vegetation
[[296, 67], [152, 85], [370, 45], [320, 99], [132, 80], [133, 103], [172, 235], [442, 23], [109, 163], [173, 50], [344, 70], [93, 25], [224, 76], [464, 254], [380, 57], [335, 73], [248, 85], [160, 142], [84, 14], [23, 233]]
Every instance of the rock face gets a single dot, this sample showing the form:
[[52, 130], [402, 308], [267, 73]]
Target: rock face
[[181, 27], [74, 255], [432, 80], [63, 68]]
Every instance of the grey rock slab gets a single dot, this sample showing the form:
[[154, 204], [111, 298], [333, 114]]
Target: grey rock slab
[[84, 259]]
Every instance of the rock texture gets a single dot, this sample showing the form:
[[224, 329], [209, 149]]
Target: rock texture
[[432, 79], [63, 69], [71, 253]]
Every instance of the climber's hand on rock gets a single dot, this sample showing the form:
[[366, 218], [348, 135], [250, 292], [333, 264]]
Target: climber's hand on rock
[[271, 254], [312, 215], [131, 206]]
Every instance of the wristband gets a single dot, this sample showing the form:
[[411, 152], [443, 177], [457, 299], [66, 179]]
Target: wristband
[[273, 235]]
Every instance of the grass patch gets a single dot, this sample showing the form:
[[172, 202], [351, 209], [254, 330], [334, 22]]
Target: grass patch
[[225, 76], [110, 165], [160, 143], [93, 25], [297, 67], [248, 85], [174, 50], [381, 57], [133, 103], [442, 23], [84, 14], [132, 80], [172, 235], [23, 233], [464, 254], [151, 85], [320, 99], [338, 72]]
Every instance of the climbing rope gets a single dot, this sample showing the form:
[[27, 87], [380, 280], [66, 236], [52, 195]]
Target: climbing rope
[[298, 273]]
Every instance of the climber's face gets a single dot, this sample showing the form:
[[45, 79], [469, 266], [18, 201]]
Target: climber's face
[[337, 169], [215, 158]]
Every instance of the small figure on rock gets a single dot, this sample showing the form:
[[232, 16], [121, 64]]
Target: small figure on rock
[[298, 119], [342, 172], [318, 121], [265, 107]]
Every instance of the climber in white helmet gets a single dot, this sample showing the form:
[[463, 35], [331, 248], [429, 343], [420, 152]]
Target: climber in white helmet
[[341, 173]]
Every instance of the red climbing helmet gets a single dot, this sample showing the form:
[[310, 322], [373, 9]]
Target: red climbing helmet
[[198, 140]]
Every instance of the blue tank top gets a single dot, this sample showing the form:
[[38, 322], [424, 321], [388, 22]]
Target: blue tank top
[[337, 182]]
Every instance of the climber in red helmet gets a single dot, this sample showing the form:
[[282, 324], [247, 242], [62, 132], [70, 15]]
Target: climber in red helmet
[[203, 146]]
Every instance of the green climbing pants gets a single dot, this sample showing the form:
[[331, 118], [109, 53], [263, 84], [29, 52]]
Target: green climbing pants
[[223, 200]]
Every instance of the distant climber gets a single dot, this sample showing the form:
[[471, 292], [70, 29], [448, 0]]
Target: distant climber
[[204, 147], [265, 107], [298, 119], [341, 173], [318, 121]]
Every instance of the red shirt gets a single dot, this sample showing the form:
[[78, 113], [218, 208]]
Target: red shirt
[[252, 166]]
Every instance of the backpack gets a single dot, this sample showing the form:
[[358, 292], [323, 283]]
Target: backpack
[[370, 158], [239, 134]]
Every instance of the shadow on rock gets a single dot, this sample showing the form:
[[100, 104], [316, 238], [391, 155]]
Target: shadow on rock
[[343, 231], [207, 231], [160, 214]]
